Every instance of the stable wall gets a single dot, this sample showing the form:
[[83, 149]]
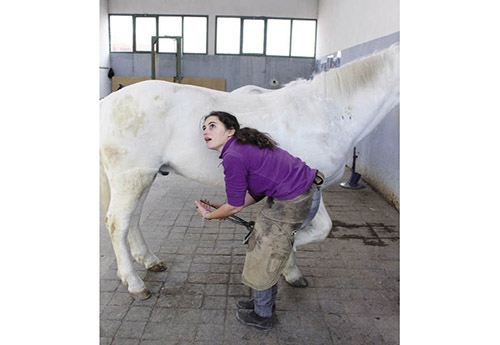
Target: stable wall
[[263, 71], [347, 23], [378, 153], [104, 58]]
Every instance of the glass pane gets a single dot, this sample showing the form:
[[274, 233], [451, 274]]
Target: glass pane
[[121, 36], [253, 36], [278, 37], [303, 38], [169, 26], [195, 35], [228, 36], [167, 45], [145, 28]]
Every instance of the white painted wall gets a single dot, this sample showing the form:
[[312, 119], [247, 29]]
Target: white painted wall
[[346, 23], [378, 158], [307, 9], [104, 57], [278, 8]]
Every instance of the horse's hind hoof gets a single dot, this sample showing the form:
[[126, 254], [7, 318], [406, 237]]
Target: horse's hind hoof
[[299, 283], [141, 295], [160, 267]]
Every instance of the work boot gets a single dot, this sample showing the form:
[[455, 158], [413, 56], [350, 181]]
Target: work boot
[[250, 318], [248, 304]]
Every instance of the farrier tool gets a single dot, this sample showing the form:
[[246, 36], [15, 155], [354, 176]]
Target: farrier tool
[[237, 220]]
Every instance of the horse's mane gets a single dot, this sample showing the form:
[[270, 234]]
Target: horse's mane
[[361, 73]]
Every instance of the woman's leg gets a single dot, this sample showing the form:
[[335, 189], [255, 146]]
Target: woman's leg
[[260, 316], [264, 300]]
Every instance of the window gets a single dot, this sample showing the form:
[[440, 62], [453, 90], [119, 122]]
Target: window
[[278, 37], [253, 36], [266, 36], [169, 26], [121, 33], [303, 38], [195, 35], [145, 28], [228, 35], [132, 33]]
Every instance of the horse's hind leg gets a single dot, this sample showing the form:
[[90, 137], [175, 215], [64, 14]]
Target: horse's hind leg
[[126, 191], [138, 247], [316, 231]]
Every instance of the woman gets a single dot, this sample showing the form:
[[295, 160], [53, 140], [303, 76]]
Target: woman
[[254, 168]]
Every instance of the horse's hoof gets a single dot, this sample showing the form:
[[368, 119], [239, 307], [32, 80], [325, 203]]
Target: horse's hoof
[[299, 283], [141, 295], [160, 267]]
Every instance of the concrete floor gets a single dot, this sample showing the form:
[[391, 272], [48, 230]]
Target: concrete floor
[[352, 297]]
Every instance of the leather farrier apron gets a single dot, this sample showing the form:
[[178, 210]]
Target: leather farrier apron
[[271, 242]]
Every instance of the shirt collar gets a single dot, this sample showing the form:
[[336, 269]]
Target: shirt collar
[[226, 146]]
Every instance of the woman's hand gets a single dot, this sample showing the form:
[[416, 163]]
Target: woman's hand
[[203, 209]]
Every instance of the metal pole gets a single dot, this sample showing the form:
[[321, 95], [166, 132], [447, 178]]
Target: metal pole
[[154, 41], [179, 59]]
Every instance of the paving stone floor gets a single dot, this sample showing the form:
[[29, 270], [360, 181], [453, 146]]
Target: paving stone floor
[[352, 297]]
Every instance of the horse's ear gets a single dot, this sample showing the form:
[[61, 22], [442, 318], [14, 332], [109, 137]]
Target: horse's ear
[[111, 73]]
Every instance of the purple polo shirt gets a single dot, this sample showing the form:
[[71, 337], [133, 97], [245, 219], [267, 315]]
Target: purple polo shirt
[[263, 172]]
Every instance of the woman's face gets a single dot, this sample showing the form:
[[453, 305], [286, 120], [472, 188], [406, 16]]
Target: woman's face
[[215, 133]]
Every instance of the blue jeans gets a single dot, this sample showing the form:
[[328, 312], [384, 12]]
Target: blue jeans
[[264, 300]]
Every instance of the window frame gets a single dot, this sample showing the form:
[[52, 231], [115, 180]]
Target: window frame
[[156, 16], [242, 19]]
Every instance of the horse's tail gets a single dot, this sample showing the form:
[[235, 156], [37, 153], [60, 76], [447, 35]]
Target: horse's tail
[[104, 187]]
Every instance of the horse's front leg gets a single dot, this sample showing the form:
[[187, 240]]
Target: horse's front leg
[[316, 231]]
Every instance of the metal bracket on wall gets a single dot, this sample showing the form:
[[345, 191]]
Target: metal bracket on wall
[[154, 51], [355, 177]]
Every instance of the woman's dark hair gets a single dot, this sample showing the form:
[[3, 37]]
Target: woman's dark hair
[[244, 135]]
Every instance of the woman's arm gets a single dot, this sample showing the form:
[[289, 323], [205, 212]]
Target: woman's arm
[[223, 211]]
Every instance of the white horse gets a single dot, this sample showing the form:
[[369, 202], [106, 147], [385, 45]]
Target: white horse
[[155, 125]]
